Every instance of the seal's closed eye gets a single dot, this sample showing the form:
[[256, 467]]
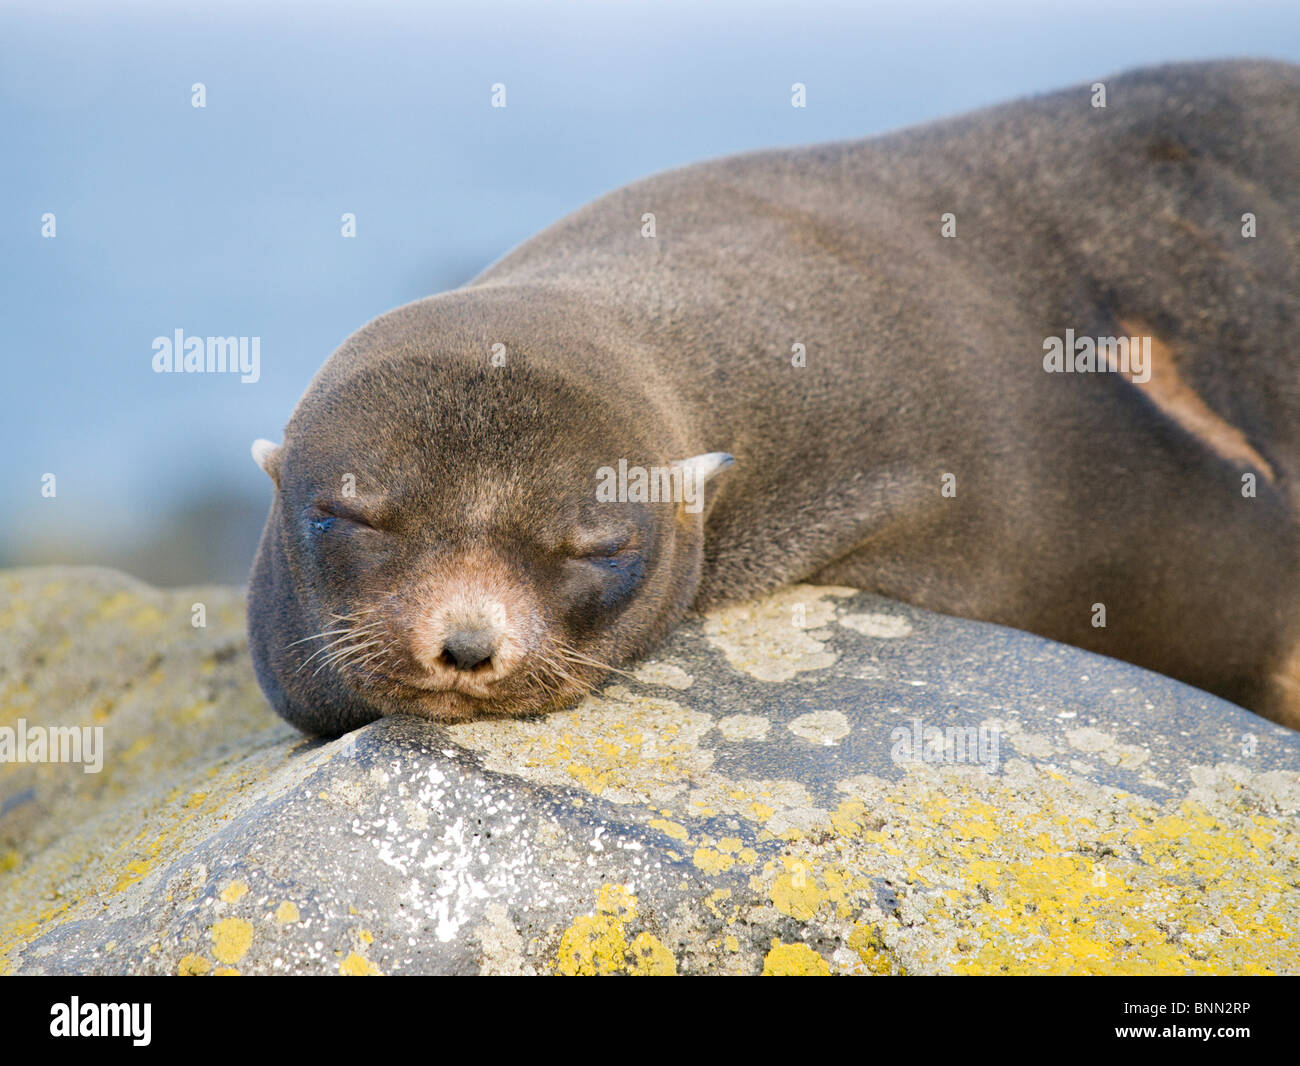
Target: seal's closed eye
[[322, 523], [625, 545], [324, 514], [617, 573], [322, 520]]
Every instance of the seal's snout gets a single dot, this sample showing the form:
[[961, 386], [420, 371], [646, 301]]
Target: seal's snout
[[469, 650], [473, 623], [484, 643]]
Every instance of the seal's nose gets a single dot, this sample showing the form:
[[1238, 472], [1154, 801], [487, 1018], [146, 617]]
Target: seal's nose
[[468, 649]]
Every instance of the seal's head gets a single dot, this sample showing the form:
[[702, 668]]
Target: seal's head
[[454, 539]]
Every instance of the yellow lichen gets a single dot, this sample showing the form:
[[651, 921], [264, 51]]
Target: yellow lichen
[[796, 892], [234, 892], [356, 965], [620, 746], [871, 949], [231, 939], [1031, 879], [794, 960], [650, 958], [596, 944], [716, 897], [617, 900], [712, 861], [673, 829], [592, 945]]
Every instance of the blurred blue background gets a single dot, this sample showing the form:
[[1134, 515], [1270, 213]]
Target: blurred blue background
[[226, 220]]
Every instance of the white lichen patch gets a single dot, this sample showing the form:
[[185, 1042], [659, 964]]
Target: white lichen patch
[[1272, 793], [874, 624], [821, 727], [1030, 745], [756, 800], [771, 639], [417, 817], [622, 747], [669, 674], [798, 821], [635, 750], [502, 946], [736, 727], [1106, 747], [867, 787]]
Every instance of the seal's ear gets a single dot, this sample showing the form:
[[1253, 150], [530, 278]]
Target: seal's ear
[[703, 467], [697, 470], [267, 456]]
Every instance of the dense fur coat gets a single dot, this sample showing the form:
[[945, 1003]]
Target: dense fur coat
[[923, 358]]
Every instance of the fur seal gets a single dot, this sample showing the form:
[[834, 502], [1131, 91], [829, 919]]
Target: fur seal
[[912, 347]]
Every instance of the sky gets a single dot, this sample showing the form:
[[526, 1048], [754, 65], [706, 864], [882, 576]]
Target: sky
[[226, 219]]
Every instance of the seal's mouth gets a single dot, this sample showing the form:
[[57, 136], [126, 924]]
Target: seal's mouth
[[462, 697], [463, 686]]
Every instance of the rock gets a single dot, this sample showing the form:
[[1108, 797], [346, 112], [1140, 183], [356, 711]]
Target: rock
[[761, 798]]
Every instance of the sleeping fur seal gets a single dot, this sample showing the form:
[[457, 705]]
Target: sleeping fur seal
[[489, 496]]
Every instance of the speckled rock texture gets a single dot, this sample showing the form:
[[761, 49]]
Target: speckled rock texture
[[823, 782]]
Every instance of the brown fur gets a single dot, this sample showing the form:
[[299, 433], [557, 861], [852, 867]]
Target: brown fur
[[923, 358]]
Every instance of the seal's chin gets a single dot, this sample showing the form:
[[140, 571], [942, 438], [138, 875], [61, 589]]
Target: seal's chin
[[464, 700], [438, 705]]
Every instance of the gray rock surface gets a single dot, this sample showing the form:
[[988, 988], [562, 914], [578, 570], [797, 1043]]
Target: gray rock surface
[[753, 800]]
